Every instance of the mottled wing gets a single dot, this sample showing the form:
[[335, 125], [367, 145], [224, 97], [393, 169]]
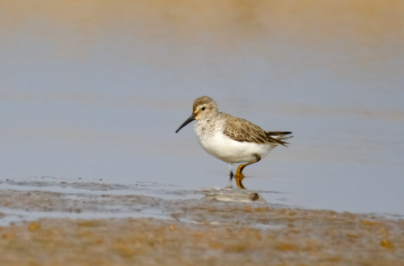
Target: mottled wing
[[244, 131]]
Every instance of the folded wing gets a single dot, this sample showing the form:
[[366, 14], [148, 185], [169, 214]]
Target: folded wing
[[244, 131]]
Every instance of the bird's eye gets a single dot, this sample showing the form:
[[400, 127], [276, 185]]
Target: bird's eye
[[203, 108]]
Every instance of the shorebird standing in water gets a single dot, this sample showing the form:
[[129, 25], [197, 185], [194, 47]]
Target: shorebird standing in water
[[232, 139]]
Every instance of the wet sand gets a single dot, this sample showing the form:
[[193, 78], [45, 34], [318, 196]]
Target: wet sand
[[306, 238], [184, 229]]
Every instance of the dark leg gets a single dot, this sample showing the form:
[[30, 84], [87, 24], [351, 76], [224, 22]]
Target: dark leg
[[239, 173], [230, 183]]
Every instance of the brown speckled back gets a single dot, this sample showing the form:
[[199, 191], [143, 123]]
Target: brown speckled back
[[242, 130]]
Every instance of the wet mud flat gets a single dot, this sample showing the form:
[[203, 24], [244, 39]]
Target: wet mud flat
[[117, 225]]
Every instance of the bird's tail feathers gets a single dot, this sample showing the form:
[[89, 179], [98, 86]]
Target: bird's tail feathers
[[279, 137]]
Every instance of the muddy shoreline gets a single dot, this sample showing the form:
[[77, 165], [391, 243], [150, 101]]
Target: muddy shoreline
[[108, 224]]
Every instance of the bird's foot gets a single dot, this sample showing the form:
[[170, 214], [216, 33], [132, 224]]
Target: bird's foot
[[239, 177]]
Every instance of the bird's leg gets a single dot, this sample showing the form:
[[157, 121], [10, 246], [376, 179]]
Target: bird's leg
[[230, 183], [239, 173]]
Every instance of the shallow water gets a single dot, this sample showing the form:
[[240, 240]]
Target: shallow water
[[93, 91], [41, 197]]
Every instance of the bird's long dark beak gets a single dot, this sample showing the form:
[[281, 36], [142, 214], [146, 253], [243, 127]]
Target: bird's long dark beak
[[189, 120]]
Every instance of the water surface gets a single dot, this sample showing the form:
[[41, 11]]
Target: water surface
[[96, 90]]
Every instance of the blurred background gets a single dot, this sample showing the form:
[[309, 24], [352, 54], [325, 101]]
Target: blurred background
[[95, 89]]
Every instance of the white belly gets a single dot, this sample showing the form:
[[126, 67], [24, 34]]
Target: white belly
[[232, 151]]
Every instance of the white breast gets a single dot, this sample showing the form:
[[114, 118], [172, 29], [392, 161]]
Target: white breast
[[217, 144]]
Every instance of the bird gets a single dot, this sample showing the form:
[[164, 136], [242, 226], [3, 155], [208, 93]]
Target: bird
[[232, 139]]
